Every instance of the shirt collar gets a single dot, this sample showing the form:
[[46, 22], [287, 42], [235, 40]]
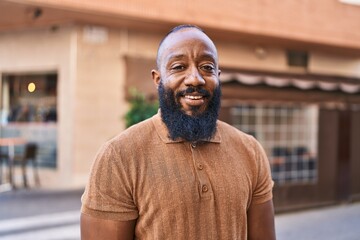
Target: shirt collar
[[163, 132]]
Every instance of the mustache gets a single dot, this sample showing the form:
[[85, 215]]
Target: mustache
[[201, 91]]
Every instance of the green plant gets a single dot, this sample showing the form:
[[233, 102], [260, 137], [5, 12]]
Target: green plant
[[140, 108]]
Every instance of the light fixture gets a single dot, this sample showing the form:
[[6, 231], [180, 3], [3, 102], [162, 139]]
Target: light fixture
[[260, 52], [37, 13], [31, 87], [33, 13]]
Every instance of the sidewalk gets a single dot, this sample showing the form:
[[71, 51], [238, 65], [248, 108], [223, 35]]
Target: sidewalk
[[54, 215], [40, 215], [33, 202], [341, 222]]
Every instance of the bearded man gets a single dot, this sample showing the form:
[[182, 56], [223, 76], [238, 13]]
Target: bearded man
[[182, 174]]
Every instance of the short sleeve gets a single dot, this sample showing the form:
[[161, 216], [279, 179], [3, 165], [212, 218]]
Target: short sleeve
[[108, 194], [264, 183]]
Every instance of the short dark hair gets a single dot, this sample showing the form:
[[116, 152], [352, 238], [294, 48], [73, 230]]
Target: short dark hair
[[174, 30]]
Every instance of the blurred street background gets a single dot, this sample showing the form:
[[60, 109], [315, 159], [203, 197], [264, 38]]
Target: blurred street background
[[73, 74], [54, 215]]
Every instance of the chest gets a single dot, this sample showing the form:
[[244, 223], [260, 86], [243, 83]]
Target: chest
[[179, 175]]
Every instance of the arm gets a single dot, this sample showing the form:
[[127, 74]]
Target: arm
[[261, 221], [96, 228]]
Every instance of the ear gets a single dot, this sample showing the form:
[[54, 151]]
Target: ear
[[156, 77], [219, 72]]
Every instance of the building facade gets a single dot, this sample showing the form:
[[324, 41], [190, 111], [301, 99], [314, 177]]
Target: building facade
[[290, 77]]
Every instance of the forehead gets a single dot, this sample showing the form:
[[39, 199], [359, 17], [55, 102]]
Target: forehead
[[187, 41]]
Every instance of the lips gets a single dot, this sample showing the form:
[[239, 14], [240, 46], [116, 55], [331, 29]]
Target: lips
[[190, 101], [193, 97], [193, 93]]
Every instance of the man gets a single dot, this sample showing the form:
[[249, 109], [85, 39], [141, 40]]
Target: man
[[181, 174]]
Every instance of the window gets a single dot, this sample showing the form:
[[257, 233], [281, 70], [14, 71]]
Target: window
[[29, 111], [288, 135], [297, 59]]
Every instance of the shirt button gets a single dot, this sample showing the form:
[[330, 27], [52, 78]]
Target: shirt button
[[205, 188], [200, 166]]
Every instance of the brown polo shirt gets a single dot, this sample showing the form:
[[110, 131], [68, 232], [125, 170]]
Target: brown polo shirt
[[177, 190]]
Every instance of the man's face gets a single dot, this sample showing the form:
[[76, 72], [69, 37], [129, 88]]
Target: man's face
[[188, 65]]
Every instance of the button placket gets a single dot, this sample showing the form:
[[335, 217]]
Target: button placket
[[203, 181]]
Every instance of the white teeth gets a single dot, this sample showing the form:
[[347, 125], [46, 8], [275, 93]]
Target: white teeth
[[193, 97]]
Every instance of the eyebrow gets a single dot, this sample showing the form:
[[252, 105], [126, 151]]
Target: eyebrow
[[208, 56], [172, 56]]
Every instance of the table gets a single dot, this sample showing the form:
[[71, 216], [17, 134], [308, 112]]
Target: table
[[11, 143]]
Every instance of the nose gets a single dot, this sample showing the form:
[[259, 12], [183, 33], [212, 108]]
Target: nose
[[194, 78]]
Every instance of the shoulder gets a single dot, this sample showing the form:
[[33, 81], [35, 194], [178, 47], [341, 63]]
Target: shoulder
[[120, 151], [125, 143], [231, 133], [245, 144], [138, 134]]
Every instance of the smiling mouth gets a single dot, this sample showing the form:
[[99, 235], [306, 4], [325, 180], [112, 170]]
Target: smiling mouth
[[193, 97]]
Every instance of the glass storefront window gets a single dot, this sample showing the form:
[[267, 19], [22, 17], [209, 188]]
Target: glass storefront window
[[288, 135], [29, 111]]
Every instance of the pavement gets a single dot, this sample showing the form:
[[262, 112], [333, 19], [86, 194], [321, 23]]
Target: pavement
[[340, 222], [39, 214]]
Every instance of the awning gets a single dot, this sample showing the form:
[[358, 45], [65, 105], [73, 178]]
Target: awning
[[297, 82]]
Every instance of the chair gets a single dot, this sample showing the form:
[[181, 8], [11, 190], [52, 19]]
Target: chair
[[3, 158], [29, 155]]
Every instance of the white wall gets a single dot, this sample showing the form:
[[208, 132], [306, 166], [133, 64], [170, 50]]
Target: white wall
[[100, 102], [325, 63]]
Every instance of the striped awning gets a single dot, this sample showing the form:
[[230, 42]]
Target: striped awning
[[297, 82]]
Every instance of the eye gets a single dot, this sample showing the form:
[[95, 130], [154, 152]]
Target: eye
[[178, 67], [208, 68]]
